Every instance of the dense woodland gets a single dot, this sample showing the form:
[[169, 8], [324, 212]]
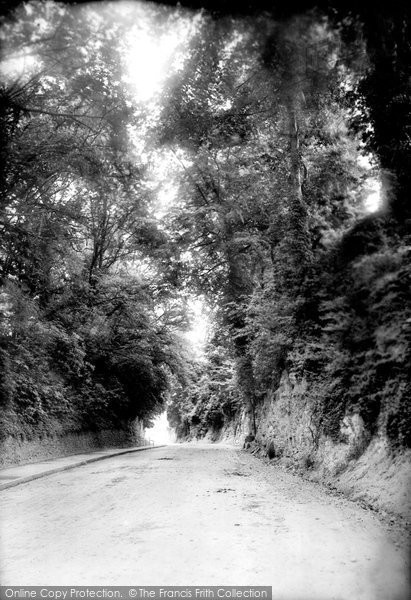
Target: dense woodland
[[272, 131]]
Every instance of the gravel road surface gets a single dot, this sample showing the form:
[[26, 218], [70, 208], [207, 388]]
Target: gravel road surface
[[196, 515]]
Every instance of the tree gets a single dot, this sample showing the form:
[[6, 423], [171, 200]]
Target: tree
[[78, 314], [246, 133]]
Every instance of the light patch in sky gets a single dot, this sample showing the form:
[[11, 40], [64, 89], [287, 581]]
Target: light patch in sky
[[161, 432], [18, 67], [163, 178], [147, 60], [200, 326], [165, 199], [365, 161], [151, 58], [373, 202]]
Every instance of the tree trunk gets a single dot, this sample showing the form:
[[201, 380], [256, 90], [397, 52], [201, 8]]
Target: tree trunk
[[298, 242]]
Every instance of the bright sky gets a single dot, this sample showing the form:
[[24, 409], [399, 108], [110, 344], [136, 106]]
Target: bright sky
[[149, 60], [161, 433], [200, 328], [153, 52], [17, 66], [374, 199]]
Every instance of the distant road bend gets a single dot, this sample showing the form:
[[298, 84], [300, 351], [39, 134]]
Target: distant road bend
[[196, 515]]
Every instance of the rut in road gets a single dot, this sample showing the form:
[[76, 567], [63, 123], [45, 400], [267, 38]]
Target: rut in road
[[196, 515]]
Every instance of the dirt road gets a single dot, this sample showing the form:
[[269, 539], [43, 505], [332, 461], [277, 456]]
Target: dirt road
[[196, 515]]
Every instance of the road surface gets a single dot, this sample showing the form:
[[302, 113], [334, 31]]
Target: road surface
[[196, 515]]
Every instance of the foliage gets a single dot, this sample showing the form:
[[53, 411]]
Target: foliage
[[382, 99], [367, 321], [83, 345], [210, 399], [303, 281]]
